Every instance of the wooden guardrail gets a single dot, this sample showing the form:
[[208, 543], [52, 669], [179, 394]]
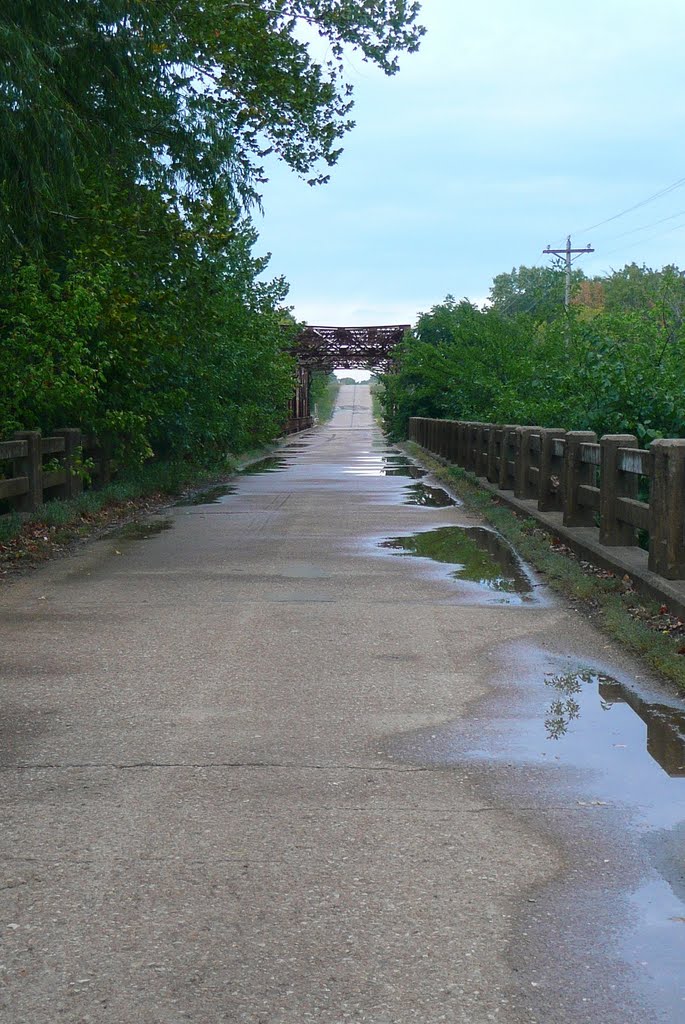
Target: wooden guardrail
[[34, 468], [592, 482]]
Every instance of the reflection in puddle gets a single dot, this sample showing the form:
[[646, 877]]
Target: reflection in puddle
[[415, 472], [478, 555], [397, 459], [665, 740], [428, 497], [410, 470], [271, 464], [142, 531], [617, 753], [564, 708], [212, 496], [386, 464], [665, 725]]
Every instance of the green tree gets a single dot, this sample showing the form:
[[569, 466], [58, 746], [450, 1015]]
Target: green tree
[[186, 96], [538, 291], [132, 134], [645, 291]]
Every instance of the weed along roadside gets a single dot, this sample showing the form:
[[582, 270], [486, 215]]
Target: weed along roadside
[[643, 625]]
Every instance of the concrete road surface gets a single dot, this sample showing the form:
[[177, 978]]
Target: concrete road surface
[[257, 767]]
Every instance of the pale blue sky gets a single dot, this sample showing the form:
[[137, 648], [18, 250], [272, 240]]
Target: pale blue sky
[[515, 124]]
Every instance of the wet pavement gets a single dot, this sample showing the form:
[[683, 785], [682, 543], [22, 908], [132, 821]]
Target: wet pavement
[[323, 749]]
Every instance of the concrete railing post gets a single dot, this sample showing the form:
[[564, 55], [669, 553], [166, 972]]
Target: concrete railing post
[[480, 466], [32, 468], [550, 480], [73, 485], [462, 427], [492, 471], [523, 488], [471, 445], [508, 437], [576, 473], [480, 451], [453, 446], [613, 484], [667, 509], [444, 438]]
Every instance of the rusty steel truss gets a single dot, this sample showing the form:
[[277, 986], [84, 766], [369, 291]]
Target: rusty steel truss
[[347, 348]]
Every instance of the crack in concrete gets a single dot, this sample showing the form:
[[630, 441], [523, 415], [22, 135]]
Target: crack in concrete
[[261, 765]]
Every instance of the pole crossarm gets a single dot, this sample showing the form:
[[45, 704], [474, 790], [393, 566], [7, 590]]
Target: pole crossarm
[[325, 348], [570, 256]]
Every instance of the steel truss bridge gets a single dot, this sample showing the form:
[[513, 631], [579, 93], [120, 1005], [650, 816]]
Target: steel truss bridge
[[347, 348], [344, 348]]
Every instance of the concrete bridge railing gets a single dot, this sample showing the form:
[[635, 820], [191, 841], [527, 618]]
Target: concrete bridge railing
[[34, 468], [607, 483]]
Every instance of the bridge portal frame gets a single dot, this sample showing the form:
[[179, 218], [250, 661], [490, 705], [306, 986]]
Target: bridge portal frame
[[330, 348]]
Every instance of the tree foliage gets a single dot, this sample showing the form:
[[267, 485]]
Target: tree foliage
[[132, 136], [614, 369]]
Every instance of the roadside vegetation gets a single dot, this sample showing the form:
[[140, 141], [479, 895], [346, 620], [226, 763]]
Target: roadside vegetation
[[612, 363]]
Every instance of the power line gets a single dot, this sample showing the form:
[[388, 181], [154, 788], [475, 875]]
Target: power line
[[645, 227], [642, 241], [636, 206]]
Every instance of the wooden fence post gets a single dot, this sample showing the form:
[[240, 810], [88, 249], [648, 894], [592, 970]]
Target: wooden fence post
[[615, 484], [667, 509], [575, 474], [523, 488], [73, 485], [31, 467], [550, 481]]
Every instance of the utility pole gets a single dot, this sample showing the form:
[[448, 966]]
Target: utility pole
[[568, 255]]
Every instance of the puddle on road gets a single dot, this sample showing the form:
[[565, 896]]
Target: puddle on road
[[142, 531], [399, 466], [580, 694], [212, 496], [271, 464], [477, 556], [428, 496], [577, 741], [415, 472], [578, 717]]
